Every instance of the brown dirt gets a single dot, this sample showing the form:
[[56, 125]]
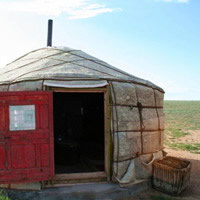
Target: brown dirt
[[194, 186], [192, 192], [194, 137]]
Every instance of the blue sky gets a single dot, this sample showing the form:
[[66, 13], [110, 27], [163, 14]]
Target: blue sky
[[158, 40]]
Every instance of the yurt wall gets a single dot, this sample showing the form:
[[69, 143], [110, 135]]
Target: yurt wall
[[138, 130]]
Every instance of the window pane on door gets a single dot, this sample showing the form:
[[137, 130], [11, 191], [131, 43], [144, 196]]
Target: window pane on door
[[22, 117]]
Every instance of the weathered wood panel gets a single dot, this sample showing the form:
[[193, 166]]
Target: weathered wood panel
[[26, 155], [2, 156]]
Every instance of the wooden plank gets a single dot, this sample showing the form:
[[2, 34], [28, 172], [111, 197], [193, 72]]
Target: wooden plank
[[22, 171], [21, 94], [10, 98], [23, 142], [38, 155], [105, 134], [56, 185], [44, 155], [51, 136], [2, 156], [44, 120], [109, 137], [27, 102], [29, 156], [78, 176], [77, 181], [36, 97], [22, 156], [2, 118], [39, 135]]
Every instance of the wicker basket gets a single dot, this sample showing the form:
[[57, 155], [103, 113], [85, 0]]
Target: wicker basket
[[171, 175]]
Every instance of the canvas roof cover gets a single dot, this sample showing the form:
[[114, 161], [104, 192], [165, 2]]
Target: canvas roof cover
[[62, 63]]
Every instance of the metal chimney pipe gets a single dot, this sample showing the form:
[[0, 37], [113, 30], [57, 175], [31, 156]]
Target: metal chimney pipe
[[50, 31]]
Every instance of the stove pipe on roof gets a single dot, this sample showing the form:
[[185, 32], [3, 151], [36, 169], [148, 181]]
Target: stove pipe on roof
[[49, 34]]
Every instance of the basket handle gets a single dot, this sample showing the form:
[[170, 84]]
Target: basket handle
[[150, 161]]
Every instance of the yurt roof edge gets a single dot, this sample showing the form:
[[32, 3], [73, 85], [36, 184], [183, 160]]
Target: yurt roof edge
[[80, 79], [125, 77]]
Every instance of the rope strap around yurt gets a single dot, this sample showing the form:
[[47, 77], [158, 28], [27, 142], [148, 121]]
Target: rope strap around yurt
[[159, 129], [114, 103], [142, 126]]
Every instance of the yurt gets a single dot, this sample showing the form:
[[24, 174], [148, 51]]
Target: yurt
[[68, 117]]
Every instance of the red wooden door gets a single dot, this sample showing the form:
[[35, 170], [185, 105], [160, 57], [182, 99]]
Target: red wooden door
[[26, 136]]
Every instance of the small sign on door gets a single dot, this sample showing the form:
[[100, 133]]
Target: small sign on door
[[22, 117]]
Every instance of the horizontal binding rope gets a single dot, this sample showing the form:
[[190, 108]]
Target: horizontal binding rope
[[140, 130], [136, 106], [137, 155]]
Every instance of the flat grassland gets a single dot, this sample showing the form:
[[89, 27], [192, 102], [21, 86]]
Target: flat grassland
[[182, 125]]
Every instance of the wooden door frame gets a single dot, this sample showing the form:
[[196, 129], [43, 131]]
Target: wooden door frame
[[96, 176]]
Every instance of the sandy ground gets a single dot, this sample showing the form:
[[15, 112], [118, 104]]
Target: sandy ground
[[193, 190], [194, 185], [194, 137]]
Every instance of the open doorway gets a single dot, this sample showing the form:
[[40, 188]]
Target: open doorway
[[79, 132]]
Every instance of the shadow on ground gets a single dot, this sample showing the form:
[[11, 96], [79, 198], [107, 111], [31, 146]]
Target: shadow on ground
[[192, 192]]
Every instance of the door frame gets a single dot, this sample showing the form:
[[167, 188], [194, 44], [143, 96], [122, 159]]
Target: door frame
[[91, 176]]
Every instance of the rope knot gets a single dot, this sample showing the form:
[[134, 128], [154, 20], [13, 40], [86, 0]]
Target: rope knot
[[139, 105]]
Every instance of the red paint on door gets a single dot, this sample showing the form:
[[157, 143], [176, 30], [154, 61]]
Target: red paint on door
[[27, 155]]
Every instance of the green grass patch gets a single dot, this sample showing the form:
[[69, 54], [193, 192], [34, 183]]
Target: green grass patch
[[4, 196], [176, 133], [193, 148], [161, 198], [181, 116]]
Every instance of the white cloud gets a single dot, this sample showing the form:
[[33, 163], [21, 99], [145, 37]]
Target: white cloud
[[75, 9], [174, 1]]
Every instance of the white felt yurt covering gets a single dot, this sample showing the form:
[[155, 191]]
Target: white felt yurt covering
[[137, 122]]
